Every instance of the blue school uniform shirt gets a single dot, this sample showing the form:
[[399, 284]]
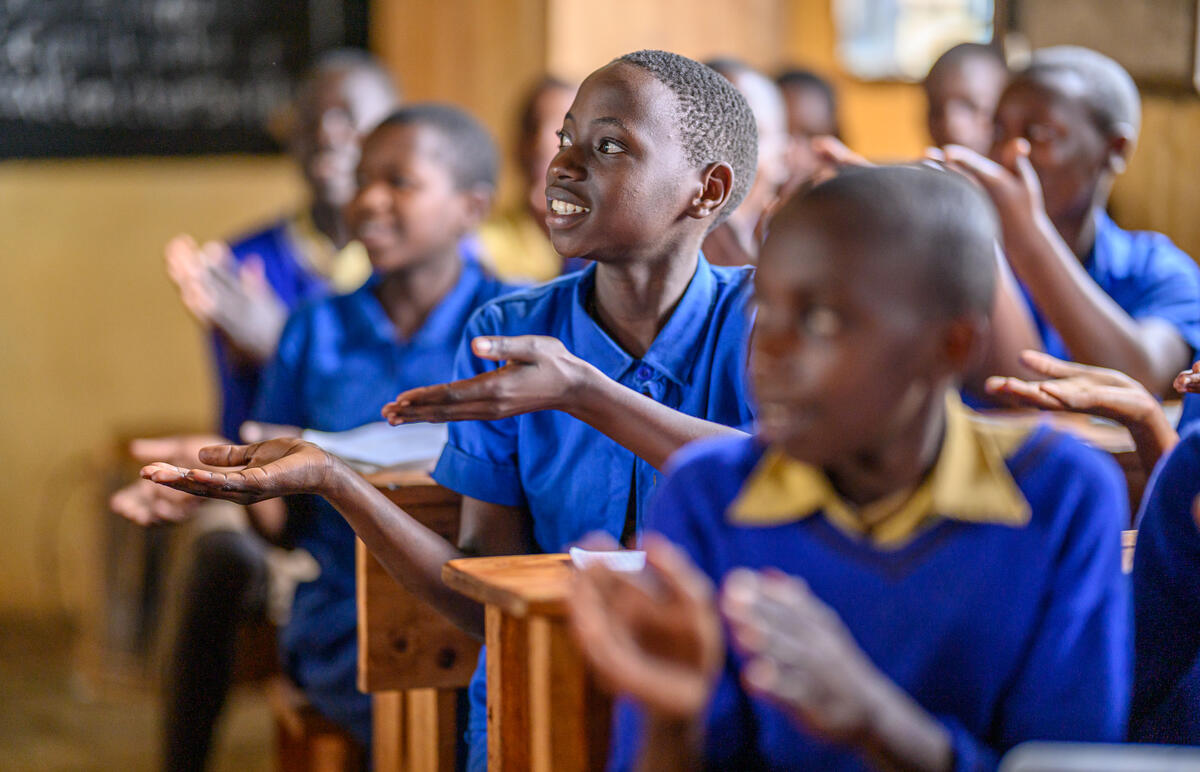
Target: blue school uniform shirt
[[1004, 632], [338, 362], [571, 478], [1147, 276], [1166, 594]]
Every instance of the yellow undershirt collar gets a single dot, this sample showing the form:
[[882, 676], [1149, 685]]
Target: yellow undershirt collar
[[969, 482]]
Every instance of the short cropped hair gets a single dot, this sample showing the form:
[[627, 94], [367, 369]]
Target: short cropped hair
[[467, 148], [714, 119], [1110, 94], [956, 55], [928, 222]]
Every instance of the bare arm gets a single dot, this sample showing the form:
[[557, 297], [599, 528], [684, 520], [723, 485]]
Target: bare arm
[[411, 553], [1094, 327], [1012, 331], [540, 374]]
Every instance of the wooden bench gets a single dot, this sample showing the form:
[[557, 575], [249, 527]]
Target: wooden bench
[[410, 658]]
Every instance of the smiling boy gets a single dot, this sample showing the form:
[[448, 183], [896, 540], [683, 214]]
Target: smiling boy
[[655, 151]]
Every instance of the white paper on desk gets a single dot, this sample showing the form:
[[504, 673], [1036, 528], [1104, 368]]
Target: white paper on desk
[[614, 560], [382, 445]]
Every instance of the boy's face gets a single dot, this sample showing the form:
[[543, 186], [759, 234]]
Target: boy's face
[[962, 103], [407, 208], [1067, 149], [842, 359], [621, 182], [333, 113], [539, 147], [808, 116]]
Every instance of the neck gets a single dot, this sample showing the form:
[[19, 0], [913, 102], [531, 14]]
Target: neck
[[909, 451], [409, 294], [328, 219], [1078, 229], [634, 300]]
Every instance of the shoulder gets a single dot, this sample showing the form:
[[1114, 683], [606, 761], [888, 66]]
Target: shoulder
[[1147, 253], [714, 469], [733, 282], [526, 310], [265, 239], [1068, 483]]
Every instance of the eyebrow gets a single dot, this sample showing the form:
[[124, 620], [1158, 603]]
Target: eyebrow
[[610, 121]]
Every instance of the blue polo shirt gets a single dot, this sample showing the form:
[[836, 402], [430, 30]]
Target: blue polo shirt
[[1166, 593], [338, 362], [571, 478], [1147, 276], [1003, 632]]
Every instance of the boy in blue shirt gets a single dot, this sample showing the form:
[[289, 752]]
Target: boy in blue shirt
[[964, 590], [425, 180], [656, 150], [1100, 295]]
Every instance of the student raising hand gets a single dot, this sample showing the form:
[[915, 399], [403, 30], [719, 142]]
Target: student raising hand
[[800, 655], [1096, 391]]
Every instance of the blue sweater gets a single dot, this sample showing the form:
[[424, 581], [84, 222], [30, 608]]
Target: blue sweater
[[1166, 592], [1003, 633]]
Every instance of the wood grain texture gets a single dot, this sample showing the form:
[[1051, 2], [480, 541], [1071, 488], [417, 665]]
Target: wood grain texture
[[520, 585], [508, 692]]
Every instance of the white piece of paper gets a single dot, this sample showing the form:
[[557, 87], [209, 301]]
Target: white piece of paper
[[615, 560], [381, 445]]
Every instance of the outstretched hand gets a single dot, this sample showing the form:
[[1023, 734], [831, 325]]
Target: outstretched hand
[[1076, 388], [269, 469], [1011, 183], [655, 636], [1188, 381], [539, 374], [145, 503]]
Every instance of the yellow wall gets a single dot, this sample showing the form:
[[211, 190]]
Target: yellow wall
[[94, 341]]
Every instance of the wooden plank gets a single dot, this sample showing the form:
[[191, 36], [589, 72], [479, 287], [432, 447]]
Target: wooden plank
[[520, 585], [387, 731], [403, 643], [508, 692], [569, 715], [431, 729]]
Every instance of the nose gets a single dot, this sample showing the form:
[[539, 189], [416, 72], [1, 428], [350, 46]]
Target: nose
[[334, 128], [565, 166], [372, 196]]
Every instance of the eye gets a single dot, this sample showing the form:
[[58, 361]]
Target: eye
[[821, 322], [609, 147], [563, 139], [1040, 133]]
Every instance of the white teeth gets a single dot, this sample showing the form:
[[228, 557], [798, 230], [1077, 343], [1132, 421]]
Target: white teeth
[[562, 207]]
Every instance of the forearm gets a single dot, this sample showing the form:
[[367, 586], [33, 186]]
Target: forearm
[[650, 430], [1012, 331], [1095, 329], [902, 736], [411, 553], [671, 745]]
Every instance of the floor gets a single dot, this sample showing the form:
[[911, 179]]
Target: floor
[[50, 719]]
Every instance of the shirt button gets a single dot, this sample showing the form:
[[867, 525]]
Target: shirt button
[[644, 373]]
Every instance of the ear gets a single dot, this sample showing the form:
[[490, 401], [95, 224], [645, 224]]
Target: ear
[[716, 185], [476, 204], [1121, 141], [961, 349]]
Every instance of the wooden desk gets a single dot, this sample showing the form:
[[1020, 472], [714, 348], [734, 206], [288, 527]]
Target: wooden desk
[[410, 658], [545, 711]]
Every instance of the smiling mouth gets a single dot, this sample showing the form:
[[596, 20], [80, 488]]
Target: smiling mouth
[[562, 207]]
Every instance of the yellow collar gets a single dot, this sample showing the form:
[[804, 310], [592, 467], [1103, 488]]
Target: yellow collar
[[970, 482], [345, 269]]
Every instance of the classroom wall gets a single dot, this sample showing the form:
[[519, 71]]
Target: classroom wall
[[95, 344]]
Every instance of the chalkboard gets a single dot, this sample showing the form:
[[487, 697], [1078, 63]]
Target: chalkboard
[[156, 77]]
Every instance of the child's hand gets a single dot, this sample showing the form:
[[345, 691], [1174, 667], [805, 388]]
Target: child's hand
[[1012, 184], [270, 469], [799, 654], [660, 644], [145, 503], [1188, 382], [539, 374], [1077, 388]]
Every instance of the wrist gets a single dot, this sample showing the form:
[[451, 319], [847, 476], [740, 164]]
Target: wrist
[[335, 480], [584, 392]]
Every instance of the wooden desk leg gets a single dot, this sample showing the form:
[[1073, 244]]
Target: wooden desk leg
[[387, 731], [508, 691], [570, 716], [432, 724]]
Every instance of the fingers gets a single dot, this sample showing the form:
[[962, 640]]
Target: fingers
[[253, 278], [473, 399], [228, 455], [1052, 367], [1018, 392], [984, 170], [1188, 381], [832, 150], [518, 348], [681, 580]]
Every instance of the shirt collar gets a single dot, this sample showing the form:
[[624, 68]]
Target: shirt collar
[[675, 347], [1100, 257], [970, 482], [443, 326]]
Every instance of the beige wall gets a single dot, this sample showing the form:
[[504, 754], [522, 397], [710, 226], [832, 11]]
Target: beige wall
[[95, 343]]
